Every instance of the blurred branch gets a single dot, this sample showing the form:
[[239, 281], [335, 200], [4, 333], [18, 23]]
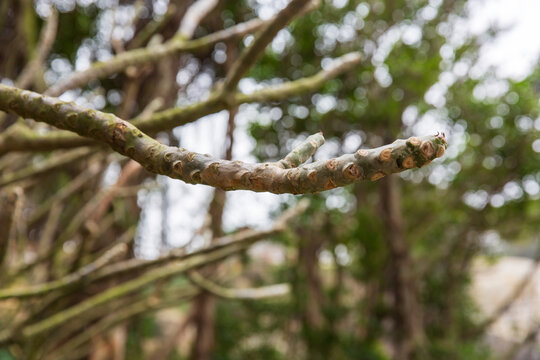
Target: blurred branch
[[126, 288], [23, 139], [239, 294], [246, 237], [151, 54], [151, 28], [51, 164], [74, 278], [145, 305], [193, 16], [66, 191], [223, 247], [20, 137], [255, 50], [46, 41], [530, 340], [302, 86], [8, 199], [74, 225], [196, 168]]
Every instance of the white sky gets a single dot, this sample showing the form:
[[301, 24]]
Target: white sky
[[515, 51]]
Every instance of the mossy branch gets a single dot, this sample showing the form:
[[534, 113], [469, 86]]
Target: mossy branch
[[222, 248], [195, 168], [149, 54], [125, 313], [44, 167], [21, 138], [8, 199], [73, 278], [263, 292]]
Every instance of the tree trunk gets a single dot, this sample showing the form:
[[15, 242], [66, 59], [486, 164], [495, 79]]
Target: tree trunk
[[408, 325]]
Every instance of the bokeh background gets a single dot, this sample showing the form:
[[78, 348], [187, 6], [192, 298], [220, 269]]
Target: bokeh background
[[434, 263]]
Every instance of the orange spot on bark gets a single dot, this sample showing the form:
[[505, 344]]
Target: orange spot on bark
[[330, 184], [427, 149], [414, 141], [440, 151], [377, 176], [177, 166], [331, 164], [351, 171], [312, 176], [386, 155], [409, 162]]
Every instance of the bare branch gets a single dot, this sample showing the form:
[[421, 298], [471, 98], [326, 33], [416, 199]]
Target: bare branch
[[195, 168], [73, 278], [73, 186], [142, 306], [8, 199], [150, 54], [264, 292], [126, 288], [23, 139], [193, 17], [223, 247], [244, 237], [46, 41], [250, 56], [151, 28], [46, 166]]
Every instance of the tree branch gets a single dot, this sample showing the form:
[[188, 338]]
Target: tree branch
[[193, 16], [151, 54], [264, 292], [142, 306], [223, 247], [73, 278], [195, 168], [8, 200], [250, 56], [43, 167], [46, 41], [23, 139]]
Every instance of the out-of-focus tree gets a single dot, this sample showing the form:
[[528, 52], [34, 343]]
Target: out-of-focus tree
[[371, 270]]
